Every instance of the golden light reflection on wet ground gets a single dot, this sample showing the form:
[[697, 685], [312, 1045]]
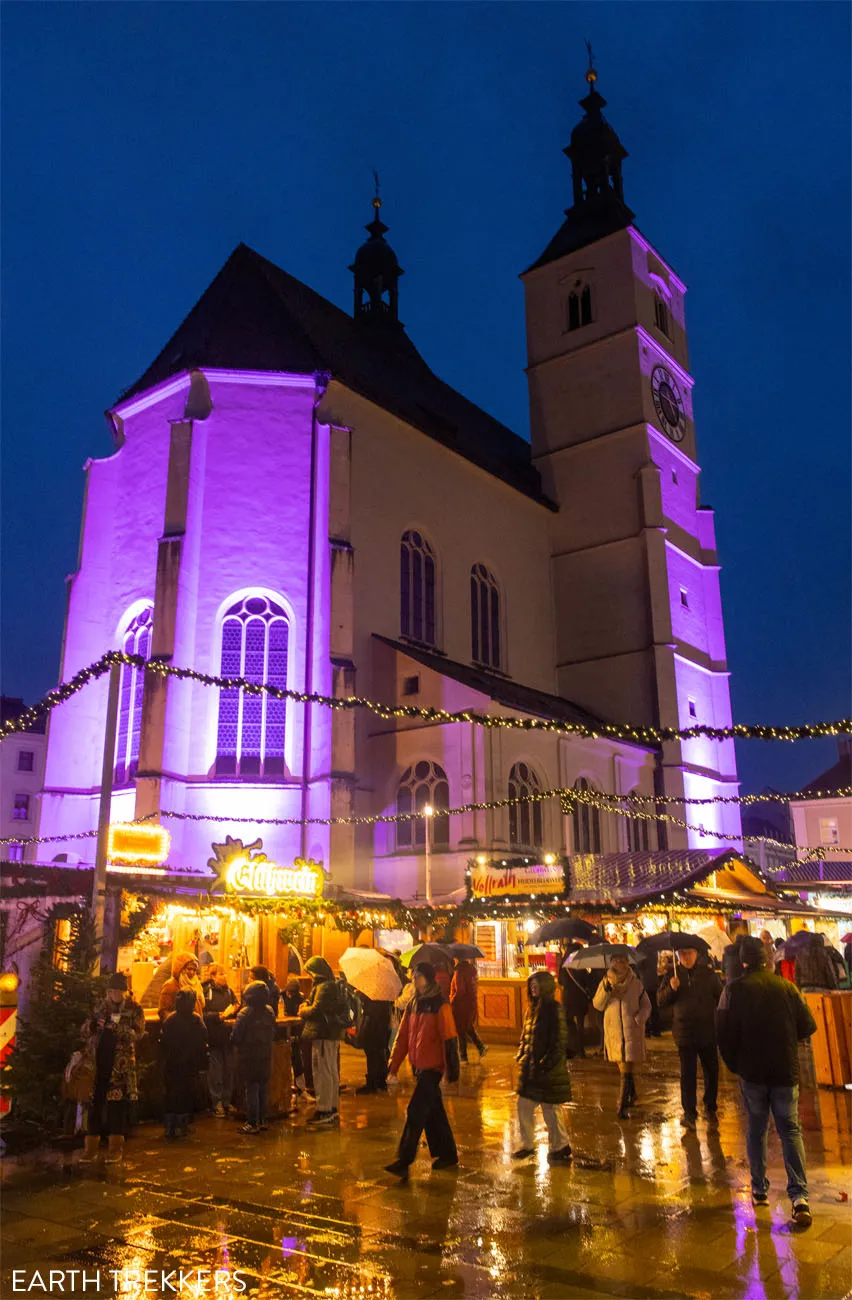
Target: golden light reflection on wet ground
[[644, 1212]]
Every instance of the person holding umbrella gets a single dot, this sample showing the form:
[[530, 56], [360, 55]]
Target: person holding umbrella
[[625, 1006], [377, 984], [693, 992], [464, 997]]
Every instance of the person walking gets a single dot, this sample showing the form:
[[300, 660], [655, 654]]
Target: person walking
[[761, 1020], [625, 1006], [184, 976], [183, 1052], [814, 968], [768, 948], [575, 1003], [427, 1036], [373, 1038], [253, 1035], [325, 1016], [111, 1036], [219, 1002], [693, 991], [464, 999], [543, 1078]]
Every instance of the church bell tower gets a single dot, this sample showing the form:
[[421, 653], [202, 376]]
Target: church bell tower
[[635, 573]]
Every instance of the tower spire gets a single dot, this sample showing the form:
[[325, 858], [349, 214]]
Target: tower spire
[[376, 270]]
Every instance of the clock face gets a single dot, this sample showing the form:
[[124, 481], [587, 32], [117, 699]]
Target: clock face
[[668, 403]]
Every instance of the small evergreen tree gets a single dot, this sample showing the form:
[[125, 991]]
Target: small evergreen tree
[[62, 994]]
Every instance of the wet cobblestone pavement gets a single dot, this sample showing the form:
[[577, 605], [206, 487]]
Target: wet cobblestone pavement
[[645, 1211]]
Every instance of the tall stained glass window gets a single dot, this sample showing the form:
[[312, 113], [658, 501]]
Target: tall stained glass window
[[136, 640], [250, 739]]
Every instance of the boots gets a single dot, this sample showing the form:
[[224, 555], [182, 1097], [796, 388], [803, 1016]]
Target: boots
[[624, 1097], [631, 1089], [116, 1149], [90, 1149]]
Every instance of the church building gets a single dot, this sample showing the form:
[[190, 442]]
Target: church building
[[295, 497]]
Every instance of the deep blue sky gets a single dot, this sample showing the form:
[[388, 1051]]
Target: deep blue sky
[[142, 142]]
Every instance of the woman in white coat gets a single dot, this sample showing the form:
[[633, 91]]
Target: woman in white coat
[[625, 1006]]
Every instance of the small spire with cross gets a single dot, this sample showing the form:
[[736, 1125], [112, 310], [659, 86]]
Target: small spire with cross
[[377, 202]]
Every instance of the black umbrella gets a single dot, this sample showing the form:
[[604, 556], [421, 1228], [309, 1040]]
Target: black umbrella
[[673, 939], [465, 951], [564, 927]]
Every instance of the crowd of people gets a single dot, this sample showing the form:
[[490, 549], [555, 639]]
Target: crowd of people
[[748, 1012]]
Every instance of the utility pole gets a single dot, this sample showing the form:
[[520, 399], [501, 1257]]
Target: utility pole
[[427, 817], [99, 886]]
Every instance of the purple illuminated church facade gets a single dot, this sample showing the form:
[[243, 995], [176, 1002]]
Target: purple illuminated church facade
[[295, 497]]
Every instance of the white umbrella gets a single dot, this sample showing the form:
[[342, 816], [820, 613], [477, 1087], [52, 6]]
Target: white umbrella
[[371, 974], [716, 940]]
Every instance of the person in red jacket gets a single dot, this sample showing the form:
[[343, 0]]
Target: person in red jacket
[[427, 1036], [463, 1004]]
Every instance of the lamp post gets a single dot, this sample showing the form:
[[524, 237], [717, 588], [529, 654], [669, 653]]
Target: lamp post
[[428, 813]]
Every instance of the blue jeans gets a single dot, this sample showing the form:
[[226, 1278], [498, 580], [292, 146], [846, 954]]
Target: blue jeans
[[783, 1103], [256, 1102], [219, 1076]]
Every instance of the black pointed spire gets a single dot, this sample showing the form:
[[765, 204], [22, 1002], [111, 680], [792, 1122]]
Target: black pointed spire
[[596, 155], [376, 271]]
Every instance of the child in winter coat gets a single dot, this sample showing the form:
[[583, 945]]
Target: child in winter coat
[[543, 1078], [625, 1006], [183, 1052], [252, 1037]]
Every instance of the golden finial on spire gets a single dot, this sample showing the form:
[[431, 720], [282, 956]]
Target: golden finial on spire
[[591, 74], [377, 203]]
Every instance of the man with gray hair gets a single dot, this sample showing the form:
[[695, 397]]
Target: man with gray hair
[[761, 1020]]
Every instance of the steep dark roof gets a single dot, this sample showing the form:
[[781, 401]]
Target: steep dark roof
[[836, 778], [584, 225], [254, 316], [512, 695]]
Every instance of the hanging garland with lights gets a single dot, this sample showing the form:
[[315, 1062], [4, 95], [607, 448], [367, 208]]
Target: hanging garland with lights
[[650, 736]]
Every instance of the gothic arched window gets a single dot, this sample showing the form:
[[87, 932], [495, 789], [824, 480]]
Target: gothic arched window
[[484, 617], [525, 825], [423, 784], [250, 740], [587, 822], [661, 314], [135, 640], [637, 833], [417, 588], [579, 306]]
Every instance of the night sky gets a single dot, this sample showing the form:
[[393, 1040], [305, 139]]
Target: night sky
[[142, 142]]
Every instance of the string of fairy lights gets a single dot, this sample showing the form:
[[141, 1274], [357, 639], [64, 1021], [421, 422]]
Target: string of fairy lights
[[650, 736]]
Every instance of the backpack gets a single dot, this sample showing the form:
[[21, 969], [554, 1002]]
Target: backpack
[[351, 1011]]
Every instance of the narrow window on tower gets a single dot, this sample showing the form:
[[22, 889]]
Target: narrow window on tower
[[693, 711], [684, 597], [661, 315], [417, 601], [579, 308], [484, 617]]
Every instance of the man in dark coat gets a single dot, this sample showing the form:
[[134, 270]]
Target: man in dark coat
[[814, 966], [253, 1035], [183, 1051], [219, 1002], [373, 1038], [761, 1020], [693, 991], [543, 1078], [575, 1003]]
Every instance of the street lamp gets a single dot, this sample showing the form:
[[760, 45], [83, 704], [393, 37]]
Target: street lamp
[[428, 813]]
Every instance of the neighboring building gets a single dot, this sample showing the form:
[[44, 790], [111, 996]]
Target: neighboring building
[[826, 823], [295, 497], [21, 777], [768, 834]]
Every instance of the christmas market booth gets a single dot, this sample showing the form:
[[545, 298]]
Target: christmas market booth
[[625, 896]]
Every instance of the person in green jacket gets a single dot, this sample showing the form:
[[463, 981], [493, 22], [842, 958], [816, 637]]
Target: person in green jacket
[[543, 1078], [324, 1015]]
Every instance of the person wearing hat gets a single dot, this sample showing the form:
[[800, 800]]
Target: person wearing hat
[[693, 990], [183, 1052], [111, 1035], [219, 1005], [184, 976], [761, 1020], [253, 1036], [265, 975], [427, 1036], [626, 1006]]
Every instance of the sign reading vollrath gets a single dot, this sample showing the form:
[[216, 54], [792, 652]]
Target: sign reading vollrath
[[531, 878]]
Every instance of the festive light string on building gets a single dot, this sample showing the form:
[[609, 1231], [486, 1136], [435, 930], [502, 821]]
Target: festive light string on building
[[604, 730]]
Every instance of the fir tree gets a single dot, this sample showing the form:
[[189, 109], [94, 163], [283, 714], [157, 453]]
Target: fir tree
[[62, 994]]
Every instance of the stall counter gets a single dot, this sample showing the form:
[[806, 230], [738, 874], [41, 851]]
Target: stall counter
[[502, 1004]]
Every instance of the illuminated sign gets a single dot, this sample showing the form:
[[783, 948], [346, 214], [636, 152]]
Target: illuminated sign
[[133, 843], [489, 880], [243, 869]]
